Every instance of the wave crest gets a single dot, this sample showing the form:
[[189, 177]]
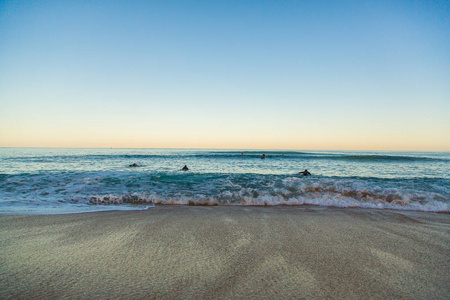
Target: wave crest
[[294, 191]]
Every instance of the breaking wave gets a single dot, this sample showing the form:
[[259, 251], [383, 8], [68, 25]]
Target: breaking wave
[[240, 155], [295, 191]]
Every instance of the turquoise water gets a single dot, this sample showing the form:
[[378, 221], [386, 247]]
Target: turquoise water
[[56, 180]]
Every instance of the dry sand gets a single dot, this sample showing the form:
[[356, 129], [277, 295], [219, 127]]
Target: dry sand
[[183, 252]]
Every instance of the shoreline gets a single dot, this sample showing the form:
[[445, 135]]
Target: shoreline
[[171, 251], [101, 208]]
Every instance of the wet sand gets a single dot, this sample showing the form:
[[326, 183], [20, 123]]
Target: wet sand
[[184, 252]]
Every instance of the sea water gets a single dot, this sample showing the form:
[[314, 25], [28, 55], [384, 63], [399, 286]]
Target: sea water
[[57, 180]]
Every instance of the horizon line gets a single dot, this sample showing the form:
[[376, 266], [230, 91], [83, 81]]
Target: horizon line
[[240, 149]]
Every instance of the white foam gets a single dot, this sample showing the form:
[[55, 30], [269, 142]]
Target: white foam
[[326, 192], [73, 192], [66, 209]]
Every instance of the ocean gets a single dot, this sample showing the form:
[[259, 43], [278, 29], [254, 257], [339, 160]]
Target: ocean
[[60, 180]]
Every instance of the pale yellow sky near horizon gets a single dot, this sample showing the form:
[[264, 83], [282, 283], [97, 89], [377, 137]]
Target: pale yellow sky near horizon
[[221, 125], [228, 138]]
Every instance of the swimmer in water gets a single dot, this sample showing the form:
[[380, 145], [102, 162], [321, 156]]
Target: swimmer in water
[[263, 156], [305, 173], [185, 168]]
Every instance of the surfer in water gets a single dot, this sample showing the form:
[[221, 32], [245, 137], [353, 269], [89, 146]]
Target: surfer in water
[[263, 156], [185, 168], [134, 165], [305, 173]]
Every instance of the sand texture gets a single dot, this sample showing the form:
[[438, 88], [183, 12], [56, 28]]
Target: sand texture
[[184, 252]]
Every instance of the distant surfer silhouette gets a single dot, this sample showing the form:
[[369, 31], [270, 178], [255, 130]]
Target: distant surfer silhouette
[[134, 165], [185, 168], [263, 156], [305, 173]]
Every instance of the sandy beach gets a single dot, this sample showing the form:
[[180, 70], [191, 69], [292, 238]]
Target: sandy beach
[[185, 252]]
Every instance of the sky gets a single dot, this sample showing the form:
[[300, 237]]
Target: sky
[[324, 75]]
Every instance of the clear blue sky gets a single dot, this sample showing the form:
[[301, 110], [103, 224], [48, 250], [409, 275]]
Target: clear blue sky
[[226, 74]]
